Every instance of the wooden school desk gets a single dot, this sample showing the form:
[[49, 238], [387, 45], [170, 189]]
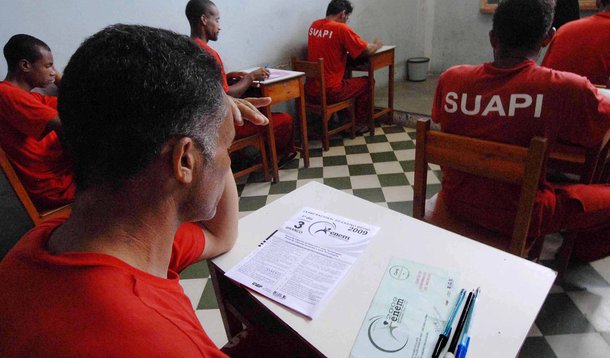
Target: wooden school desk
[[280, 89], [384, 57], [512, 289]]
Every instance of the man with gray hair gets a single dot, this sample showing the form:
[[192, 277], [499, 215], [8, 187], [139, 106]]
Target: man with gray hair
[[155, 193]]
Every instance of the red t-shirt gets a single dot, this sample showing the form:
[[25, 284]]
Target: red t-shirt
[[332, 41], [88, 304], [512, 106], [41, 163], [205, 46], [582, 47]]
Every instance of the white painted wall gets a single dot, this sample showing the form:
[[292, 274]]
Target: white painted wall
[[460, 34], [253, 33]]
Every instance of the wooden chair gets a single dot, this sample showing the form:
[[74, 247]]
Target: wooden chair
[[258, 141], [320, 106], [498, 161], [23, 196]]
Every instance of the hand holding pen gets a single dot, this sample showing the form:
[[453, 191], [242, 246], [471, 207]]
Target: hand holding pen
[[444, 337]]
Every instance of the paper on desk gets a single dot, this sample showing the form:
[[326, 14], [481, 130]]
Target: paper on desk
[[408, 312], [301, 263]]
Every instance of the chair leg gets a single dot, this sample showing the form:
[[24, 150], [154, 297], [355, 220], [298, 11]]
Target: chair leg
[[261, 146], [325, 139], [564, 254], [352, 117], [536, 249]]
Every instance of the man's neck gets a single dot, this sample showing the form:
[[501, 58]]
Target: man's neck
[[137, 231], [199, 35], [18, 81], [333, 17], [513, 58]]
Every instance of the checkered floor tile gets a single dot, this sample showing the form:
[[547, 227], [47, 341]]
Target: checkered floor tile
[[575, 319]]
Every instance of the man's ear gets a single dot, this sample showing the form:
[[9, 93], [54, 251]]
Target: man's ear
[[24, 65], [203, 20], [493, 39], [184, 160], [548, 37]]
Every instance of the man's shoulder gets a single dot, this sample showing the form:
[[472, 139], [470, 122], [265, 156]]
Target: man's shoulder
[[460, 71]]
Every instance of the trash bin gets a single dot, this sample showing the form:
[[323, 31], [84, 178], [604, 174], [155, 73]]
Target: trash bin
[[417, 68]]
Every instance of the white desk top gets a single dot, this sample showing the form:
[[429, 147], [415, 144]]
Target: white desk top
[[385, 48], [512, 289], [277, 75]]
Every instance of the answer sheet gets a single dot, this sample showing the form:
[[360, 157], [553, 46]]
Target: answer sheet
[[302, 262]]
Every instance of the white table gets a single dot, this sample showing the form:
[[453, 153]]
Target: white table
[[513, 289]]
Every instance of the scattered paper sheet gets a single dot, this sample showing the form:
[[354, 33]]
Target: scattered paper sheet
[[302, 263], [408, 312]]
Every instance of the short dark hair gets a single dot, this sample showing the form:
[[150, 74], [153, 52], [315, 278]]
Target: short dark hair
[[21, 47], [129, 89], [336, 6], [196, 8], [522, 24]]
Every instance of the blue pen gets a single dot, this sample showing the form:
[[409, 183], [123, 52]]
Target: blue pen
[[444, 337], [465, 341]]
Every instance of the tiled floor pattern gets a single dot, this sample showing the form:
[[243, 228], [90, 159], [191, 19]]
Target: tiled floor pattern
[[574, 321]]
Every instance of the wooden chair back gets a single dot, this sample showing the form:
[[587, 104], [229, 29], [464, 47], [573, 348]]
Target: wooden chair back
[[35, 215], [497, 161], [315, 71], [258, 141]]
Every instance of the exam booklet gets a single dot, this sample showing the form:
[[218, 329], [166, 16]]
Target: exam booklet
[[302, 262], [408, 312]]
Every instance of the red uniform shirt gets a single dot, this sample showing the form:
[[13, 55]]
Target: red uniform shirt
[[512, 106], [204, 45], [332, 41], [582, 47], [87, 304], [40, 162]]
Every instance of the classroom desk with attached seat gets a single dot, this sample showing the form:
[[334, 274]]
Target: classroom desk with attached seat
[[513, 289], [384, 57]]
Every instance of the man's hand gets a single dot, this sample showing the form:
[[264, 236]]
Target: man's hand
[[246, 109], [371, 48], [260, 74]]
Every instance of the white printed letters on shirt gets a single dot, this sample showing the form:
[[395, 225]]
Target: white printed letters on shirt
[[320, 33], [516, 101]]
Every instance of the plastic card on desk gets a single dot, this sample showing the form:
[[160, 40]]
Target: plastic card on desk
[[408, 311]]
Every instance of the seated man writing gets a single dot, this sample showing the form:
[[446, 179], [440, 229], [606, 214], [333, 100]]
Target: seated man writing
[[511, 100], [204, 20], [150, 159], [333, 40], [581, 46], [30, 127]]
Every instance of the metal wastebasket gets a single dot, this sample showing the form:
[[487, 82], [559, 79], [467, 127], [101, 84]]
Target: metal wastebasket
[[417, 68]]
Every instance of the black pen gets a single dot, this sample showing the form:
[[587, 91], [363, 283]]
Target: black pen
[[458, 331], [444, 337]]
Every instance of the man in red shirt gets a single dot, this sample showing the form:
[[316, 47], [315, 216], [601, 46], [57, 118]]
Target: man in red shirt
[[582, 46], [333, 40], [204, 20], [155, 194], [511, 100], [30, 128]]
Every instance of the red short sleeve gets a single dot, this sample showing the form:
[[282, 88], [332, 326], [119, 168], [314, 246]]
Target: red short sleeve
[[354, 44], [27, 112], [189, 242]]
